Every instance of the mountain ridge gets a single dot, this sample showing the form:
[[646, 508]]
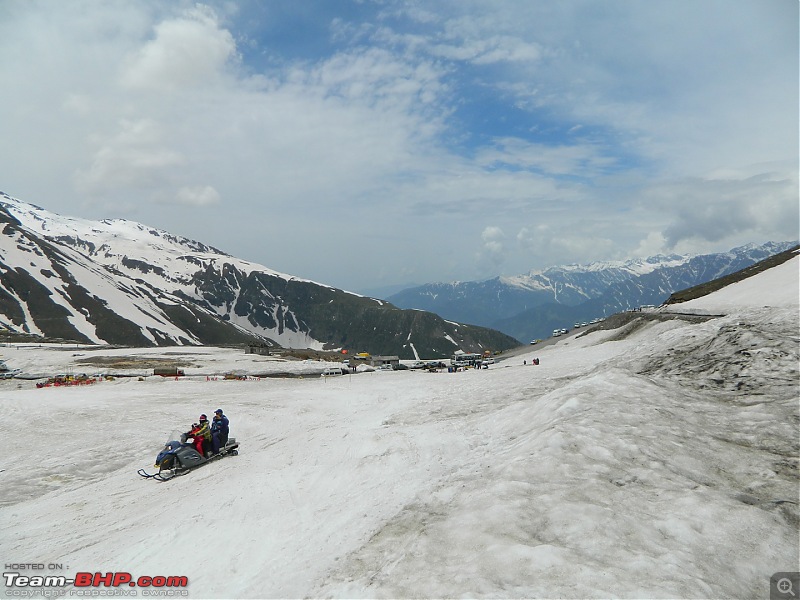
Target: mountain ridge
[[120, 282], [530, 306]]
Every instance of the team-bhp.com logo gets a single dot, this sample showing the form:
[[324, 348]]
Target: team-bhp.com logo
[[21, 585]]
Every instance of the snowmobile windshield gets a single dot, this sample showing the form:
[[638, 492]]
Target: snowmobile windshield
[[175, 439]]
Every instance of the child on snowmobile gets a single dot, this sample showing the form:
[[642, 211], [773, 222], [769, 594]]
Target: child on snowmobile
[[201, 434]]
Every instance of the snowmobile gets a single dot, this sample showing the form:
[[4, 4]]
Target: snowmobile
[[179, 457]]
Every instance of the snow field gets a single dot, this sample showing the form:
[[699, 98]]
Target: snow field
[[595, 500], [618, 467]]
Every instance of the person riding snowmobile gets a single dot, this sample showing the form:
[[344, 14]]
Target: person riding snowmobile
[[219, 431], [201, 434]]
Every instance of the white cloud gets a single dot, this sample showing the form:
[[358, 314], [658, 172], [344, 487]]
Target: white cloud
[[199, 195], [136, 157], [569, 242], [653, 244], [492, 251], [187, 51], [728, 208], [493, 240], [582, 160]]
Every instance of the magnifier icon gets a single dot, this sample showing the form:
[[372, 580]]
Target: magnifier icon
[[784, 586]]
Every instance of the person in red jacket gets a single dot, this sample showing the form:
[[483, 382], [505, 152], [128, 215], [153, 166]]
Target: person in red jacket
[[201, 432]]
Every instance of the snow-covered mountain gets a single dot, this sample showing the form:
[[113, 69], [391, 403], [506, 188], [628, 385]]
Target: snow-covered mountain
[[121, 282], [532, 305]]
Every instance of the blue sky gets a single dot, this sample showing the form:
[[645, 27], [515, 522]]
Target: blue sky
[[372, 143]]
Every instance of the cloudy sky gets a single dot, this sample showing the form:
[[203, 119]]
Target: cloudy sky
[[378, 142]]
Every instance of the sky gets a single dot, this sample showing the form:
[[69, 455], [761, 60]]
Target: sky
[[373, 143]]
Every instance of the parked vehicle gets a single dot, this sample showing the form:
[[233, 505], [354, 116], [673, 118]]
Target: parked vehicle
[[333, 371], [168, 372], [9, 374]]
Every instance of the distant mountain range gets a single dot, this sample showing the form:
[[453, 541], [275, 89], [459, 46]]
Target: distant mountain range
[[531, 306], [123, 283]]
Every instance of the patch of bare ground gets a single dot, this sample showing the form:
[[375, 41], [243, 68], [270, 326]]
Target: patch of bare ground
[[134, 362], [629, 322]]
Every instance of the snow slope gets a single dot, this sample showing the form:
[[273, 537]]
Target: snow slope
[[778, 287], [109, 240], [661, 462], [131, 268]]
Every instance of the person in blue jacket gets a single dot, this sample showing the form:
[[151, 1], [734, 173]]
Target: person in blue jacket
[[219, 431]]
